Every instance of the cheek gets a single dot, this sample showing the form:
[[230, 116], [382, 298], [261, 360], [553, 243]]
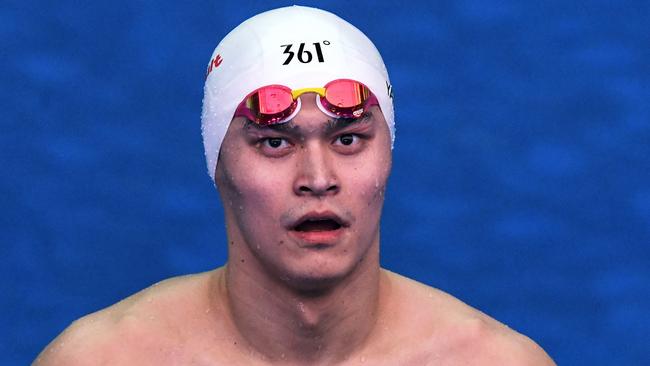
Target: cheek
[[370, 179], [372, 190], [253, 191]]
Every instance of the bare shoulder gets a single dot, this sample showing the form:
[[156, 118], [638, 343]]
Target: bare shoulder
[[452, 332], [147, 320]]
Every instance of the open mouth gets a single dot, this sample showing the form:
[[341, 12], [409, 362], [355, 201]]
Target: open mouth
[[317, 225], [319, 230]]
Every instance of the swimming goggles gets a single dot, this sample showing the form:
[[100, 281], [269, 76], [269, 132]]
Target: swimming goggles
[[274, 104]]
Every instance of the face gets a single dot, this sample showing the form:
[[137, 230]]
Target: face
[[303, 199]]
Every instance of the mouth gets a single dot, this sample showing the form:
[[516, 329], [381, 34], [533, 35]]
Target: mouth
[[320, 228], [317, 225]]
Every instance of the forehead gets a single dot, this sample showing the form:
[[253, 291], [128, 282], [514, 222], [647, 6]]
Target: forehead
[[327, 125]]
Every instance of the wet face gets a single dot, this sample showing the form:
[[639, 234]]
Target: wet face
[[303, 199]]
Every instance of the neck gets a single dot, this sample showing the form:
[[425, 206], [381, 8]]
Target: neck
[[279, 322]]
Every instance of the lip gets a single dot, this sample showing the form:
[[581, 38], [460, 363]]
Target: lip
[[325, 237]]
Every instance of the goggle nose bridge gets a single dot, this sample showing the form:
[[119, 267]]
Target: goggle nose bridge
[[298, 92]]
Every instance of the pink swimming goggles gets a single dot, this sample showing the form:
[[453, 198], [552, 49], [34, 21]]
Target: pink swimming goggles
[[274, 104]]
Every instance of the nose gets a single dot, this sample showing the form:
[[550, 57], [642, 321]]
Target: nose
[[316, 174]]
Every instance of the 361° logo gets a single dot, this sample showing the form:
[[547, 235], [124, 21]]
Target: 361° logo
[[303, 55]]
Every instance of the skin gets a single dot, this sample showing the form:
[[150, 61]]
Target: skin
[[288, 299]]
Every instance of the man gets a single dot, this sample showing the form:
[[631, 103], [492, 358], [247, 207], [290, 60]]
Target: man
[[298, 128]]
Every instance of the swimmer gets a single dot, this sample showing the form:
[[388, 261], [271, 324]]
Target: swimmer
[[298, 128]]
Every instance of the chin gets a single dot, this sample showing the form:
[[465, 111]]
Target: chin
[[318, 275], [314, 285]]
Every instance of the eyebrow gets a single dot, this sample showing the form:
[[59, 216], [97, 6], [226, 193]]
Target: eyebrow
[[289, 127], [340, 123], [332, 124]]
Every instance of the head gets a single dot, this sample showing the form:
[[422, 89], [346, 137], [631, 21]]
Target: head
[[302, 198]]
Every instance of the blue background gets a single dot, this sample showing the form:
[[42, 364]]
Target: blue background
[[520, 180]]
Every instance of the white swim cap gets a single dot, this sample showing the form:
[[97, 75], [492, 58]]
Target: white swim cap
[[296, 46]]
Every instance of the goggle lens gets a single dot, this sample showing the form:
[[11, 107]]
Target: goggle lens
[[346, 93], [270, 103], [345, 97]]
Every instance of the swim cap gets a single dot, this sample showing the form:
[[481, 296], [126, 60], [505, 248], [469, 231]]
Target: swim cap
[[295, 46]]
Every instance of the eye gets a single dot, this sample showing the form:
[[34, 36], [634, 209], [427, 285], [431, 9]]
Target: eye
[[274, 146], [350, 143], [274, 142], [347, 139]]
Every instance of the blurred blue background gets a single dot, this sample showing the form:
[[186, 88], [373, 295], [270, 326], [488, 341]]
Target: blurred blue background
[[521, 181]]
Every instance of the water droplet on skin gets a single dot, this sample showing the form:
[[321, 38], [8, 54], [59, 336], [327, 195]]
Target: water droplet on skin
[[362, 359], [207, 310]]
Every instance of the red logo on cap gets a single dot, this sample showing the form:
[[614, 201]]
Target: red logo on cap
[[214, 63]]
